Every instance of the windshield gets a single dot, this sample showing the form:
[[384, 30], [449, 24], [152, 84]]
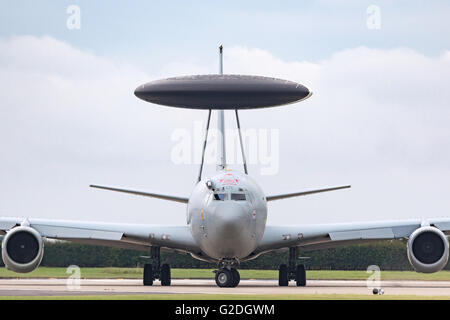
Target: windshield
[[238, 196], [219, 196], [223, 196]]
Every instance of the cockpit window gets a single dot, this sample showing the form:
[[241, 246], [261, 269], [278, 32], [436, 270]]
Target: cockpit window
[[238, 196], [219, 196]]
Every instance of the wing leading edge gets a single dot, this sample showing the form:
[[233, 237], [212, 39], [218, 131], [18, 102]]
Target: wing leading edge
[[303, 193], [145, 194]]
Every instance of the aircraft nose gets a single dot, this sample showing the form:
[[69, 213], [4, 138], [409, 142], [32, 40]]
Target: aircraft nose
[[232, 219], [230, 232]]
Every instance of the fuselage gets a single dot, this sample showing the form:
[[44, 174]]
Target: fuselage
[[227, 215]]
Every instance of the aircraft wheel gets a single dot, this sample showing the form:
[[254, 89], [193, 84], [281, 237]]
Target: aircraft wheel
[[283, 280], [165, 275], [148, 275], [236, 277], [300, 276], [224, 278]]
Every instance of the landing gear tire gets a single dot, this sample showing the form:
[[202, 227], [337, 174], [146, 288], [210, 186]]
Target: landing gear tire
[[224, 278], [283, 279], [300, 276], [165, 275], [148, 275], [236, 277]]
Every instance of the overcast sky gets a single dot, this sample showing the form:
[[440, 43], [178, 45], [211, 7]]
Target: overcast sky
[[378, 119]]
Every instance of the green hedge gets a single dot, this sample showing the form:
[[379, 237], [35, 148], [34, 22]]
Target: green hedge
[[389, 255]]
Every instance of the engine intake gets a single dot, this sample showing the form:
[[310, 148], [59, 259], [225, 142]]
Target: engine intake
[[428, 250], [22, 249]]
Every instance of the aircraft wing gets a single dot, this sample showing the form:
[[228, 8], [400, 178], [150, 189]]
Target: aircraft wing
[[145, 194], [320, 236], [127, 236]]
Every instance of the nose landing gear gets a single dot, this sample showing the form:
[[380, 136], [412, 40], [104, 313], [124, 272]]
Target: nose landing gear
[[227, 278], [155, 271], [293, 271]]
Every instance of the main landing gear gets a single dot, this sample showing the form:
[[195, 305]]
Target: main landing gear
[[155, 271], [292, 271]]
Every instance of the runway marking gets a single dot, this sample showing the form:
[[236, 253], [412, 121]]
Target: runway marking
[[54, 287]]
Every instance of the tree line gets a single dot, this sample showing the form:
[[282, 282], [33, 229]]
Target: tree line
[[388, 255]]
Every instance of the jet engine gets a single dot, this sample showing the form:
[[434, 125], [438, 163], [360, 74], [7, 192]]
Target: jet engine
[[22, 249], [428, 249]]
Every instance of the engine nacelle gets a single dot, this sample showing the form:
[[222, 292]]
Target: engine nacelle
[[428, 249], [22, 249]]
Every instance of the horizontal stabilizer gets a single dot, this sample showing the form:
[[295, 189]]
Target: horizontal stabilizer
[[145, 194], [303, 193]]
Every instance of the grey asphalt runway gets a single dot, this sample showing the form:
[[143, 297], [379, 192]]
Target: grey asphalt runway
[[59, 287]]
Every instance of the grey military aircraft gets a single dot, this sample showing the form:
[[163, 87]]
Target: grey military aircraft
[[227, 211]]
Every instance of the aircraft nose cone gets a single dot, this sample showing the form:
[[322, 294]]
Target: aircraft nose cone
[[231, 233], [232, 219]]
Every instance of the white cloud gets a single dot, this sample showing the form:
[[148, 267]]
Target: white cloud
[[378, 119], [382, 101]]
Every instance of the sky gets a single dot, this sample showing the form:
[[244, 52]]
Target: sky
[[378, 118]]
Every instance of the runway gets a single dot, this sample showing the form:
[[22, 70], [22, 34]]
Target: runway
[[61, 287]]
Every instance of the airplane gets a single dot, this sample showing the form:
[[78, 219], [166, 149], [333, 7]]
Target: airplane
[[227, 211]]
